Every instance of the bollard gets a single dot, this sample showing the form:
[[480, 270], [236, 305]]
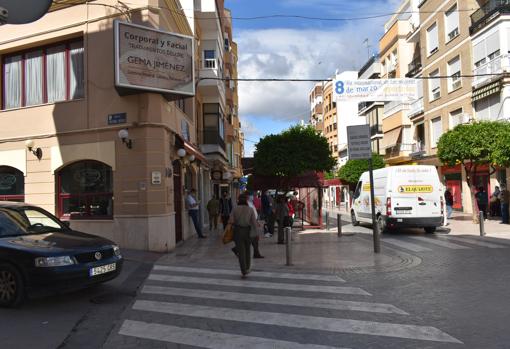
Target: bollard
[[482, 226], [288, 237], [339, 224], [327, 220]]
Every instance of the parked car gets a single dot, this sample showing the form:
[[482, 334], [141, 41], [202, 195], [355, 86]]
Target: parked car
[[39, 254], [405, 196]]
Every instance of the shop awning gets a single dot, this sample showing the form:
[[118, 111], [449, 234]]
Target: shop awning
[[190, 148], [390, 138]]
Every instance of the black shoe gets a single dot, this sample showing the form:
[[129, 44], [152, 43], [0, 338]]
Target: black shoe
[[235, 251], [258, 256]]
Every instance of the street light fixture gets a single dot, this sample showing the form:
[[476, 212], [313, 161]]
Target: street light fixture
[[30, 146], [124, 136]]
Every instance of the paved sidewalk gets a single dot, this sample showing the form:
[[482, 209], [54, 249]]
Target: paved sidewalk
[[312, 250]]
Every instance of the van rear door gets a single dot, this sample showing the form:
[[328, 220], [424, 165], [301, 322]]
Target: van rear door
[[415, 192]]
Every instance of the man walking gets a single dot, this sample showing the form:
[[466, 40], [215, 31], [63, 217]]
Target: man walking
[[504, 198], [448, 200], [213, 208], [225, 208], [482, 200], [192, 207], [268, 212]]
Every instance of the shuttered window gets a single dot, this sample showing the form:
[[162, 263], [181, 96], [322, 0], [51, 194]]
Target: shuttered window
[[437, 130], [452, 23], [432, 41]]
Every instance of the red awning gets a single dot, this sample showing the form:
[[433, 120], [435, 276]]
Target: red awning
[[190, 148], [308, 180]]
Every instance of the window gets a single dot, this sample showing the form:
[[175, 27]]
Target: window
[[209, 59], [85, 191], [452, 23], [432, 42], [44, 75], [12, 184], [456, 117], [454, 82], [437, 130], [181, 104], [434, 85], [488, 108]]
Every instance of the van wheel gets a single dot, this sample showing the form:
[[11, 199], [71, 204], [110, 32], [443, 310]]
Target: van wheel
[[430, 230], [12, 292], [381, 227], [353, 219]]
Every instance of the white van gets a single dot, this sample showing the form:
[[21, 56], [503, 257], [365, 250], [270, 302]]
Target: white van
[[405, 196]]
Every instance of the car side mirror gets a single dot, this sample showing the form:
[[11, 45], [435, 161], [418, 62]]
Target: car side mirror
[[67, 224]]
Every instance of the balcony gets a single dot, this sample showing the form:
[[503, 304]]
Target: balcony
[[487, 13], [391, 108], [495, 66], [398, 150], [213, 138], [418, 149], [376, 130], [415, 108], [414, 67]]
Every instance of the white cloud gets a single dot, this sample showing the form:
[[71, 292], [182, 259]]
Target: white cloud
[[296, 53]]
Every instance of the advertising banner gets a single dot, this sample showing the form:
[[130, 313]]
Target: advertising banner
[[153, 60], [375, 90]]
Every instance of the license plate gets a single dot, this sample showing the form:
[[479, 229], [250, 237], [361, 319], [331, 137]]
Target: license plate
[[404, 211], [103, 269]]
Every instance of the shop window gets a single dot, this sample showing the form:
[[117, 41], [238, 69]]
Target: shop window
[[12, 184], [85, 191], [43, 75]]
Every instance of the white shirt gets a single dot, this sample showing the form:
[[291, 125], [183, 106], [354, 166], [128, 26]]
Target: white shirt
[[191, 202]]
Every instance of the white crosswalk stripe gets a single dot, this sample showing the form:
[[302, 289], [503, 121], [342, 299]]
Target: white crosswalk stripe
[[313, 277], [206, 339], [258, 284], [274, 299], [441, 243], [175, 296], [299, 321], [406, 245]]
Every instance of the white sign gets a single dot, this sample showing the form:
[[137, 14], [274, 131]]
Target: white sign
[[156, 177], [375, 90], [358, 142], [153, 60]]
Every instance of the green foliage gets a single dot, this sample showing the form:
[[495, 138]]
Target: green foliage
[[292, 153], [353, 169], [485, 142]]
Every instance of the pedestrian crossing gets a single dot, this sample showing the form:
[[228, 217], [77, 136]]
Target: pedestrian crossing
[[438, 242], [214, 308]]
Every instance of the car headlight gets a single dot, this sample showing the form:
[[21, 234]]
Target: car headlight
[[116, 251], [59, 261]]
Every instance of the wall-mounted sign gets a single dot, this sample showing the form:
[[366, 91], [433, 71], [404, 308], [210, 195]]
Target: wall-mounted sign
[[156, 177], [117, 118], [358, 142], [153, 60], [375, 90]]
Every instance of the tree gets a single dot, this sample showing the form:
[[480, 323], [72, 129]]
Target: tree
[[353, 169], [473, 145], [292, 153]]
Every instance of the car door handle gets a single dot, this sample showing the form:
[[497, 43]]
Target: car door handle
[[422, 203]]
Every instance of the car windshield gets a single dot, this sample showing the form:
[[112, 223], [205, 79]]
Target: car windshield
[[25, 220]]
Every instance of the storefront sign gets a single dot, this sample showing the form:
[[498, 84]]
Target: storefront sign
[[153, 60], [359, 145], [118, 118], [156, 177], [375, 90]]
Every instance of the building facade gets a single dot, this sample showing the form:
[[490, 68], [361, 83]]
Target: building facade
[[114, 163]]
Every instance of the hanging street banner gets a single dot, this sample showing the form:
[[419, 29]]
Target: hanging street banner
[[358, 142], [153, 60], [375, 90]]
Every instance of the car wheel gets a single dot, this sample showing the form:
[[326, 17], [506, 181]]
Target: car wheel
[[354, 221], [12, 292], [430, 230]]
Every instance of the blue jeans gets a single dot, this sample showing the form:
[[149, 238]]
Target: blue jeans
[[194, 217], [504, 213], [449, 210]]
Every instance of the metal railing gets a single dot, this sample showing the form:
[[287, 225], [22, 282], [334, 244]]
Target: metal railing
[[376, 130], [414, 67], [415, 107], [494, 66], [398, 150], [393, 107], [485, 13], [213, 137], [210, 63]]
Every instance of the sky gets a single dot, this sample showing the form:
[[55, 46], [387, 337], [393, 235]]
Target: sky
[[297, 48]]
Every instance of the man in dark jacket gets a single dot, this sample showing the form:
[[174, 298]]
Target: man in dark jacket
[[482, 199], [504, 198], [448, 200], [225, 208]]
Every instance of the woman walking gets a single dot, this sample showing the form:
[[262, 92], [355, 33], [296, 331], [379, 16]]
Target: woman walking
[[244, 222]]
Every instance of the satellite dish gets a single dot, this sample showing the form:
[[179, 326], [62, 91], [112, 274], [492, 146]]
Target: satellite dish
[[22, 11]]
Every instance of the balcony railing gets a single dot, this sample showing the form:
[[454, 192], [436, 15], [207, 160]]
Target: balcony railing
[[376, 130], [495, 66], [414, 67], [418, 147], [391, 108], [213, 137], [415, 108], [485, 14], [399, 149]]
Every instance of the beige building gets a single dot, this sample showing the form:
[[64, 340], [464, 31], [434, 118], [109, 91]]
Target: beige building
[[330, 125], [113, 162]]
